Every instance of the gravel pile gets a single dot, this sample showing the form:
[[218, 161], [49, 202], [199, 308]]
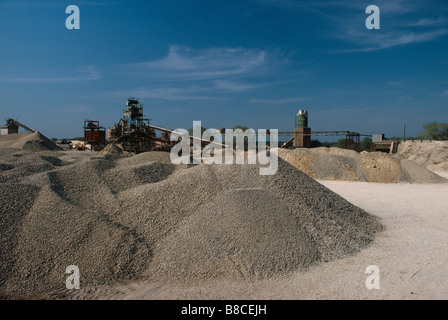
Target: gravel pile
[[16, 201], [113, 148], [16, 165], [239, 234], [28, 141], [339, 164], [122, 218]]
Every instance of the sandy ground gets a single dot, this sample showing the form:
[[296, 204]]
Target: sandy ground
[[412, 256]]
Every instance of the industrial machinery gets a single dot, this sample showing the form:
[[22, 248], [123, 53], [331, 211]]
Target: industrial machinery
[[94, 135], [301, 137], [135, 133], [80, 146], [382, 145], [12, 126]]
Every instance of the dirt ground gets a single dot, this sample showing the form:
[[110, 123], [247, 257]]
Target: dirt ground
[[411, 255]]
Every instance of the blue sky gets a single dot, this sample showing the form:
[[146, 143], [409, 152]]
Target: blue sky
[[246, 62]]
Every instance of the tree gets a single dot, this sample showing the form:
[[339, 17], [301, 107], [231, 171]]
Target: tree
[[366, 144], [342, 144], [430, 131], [435, 131], [443, 127], [315, 143]]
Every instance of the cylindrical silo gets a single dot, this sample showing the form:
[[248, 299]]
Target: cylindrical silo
[[302, 119], [302, 133]]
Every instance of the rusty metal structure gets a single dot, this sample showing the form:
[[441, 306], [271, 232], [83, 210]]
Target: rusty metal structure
[[94, 134], [136, 134]]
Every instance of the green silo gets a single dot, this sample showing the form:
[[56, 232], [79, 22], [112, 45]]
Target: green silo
[[302, 133], [302, 119]]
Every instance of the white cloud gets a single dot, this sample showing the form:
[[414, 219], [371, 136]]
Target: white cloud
[[390, 39], [206, 74], [183, 63], [430, 22], [200, 91], [279, 101], [345, 21], [87, 73], [166, 93], [397, 27], [234, 86]]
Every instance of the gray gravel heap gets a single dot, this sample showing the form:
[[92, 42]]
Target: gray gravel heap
[[121, 218]]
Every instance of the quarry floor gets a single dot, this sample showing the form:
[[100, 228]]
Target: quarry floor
[[411, 254]]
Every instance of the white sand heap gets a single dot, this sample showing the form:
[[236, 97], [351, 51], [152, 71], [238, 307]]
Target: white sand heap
[[123, 218], [431, 155], [341, 164]]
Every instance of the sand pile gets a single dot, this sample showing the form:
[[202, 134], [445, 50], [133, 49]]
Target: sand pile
[[28, 141], [121, 218], [340, 164], [431, 155]]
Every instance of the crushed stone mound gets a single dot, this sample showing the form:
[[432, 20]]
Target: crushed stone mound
[[19, 164], [340, 164], [431, 155], [114, 148], [13, 211], [180, 223], [49, 242], [28, 141], [239, 234]]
